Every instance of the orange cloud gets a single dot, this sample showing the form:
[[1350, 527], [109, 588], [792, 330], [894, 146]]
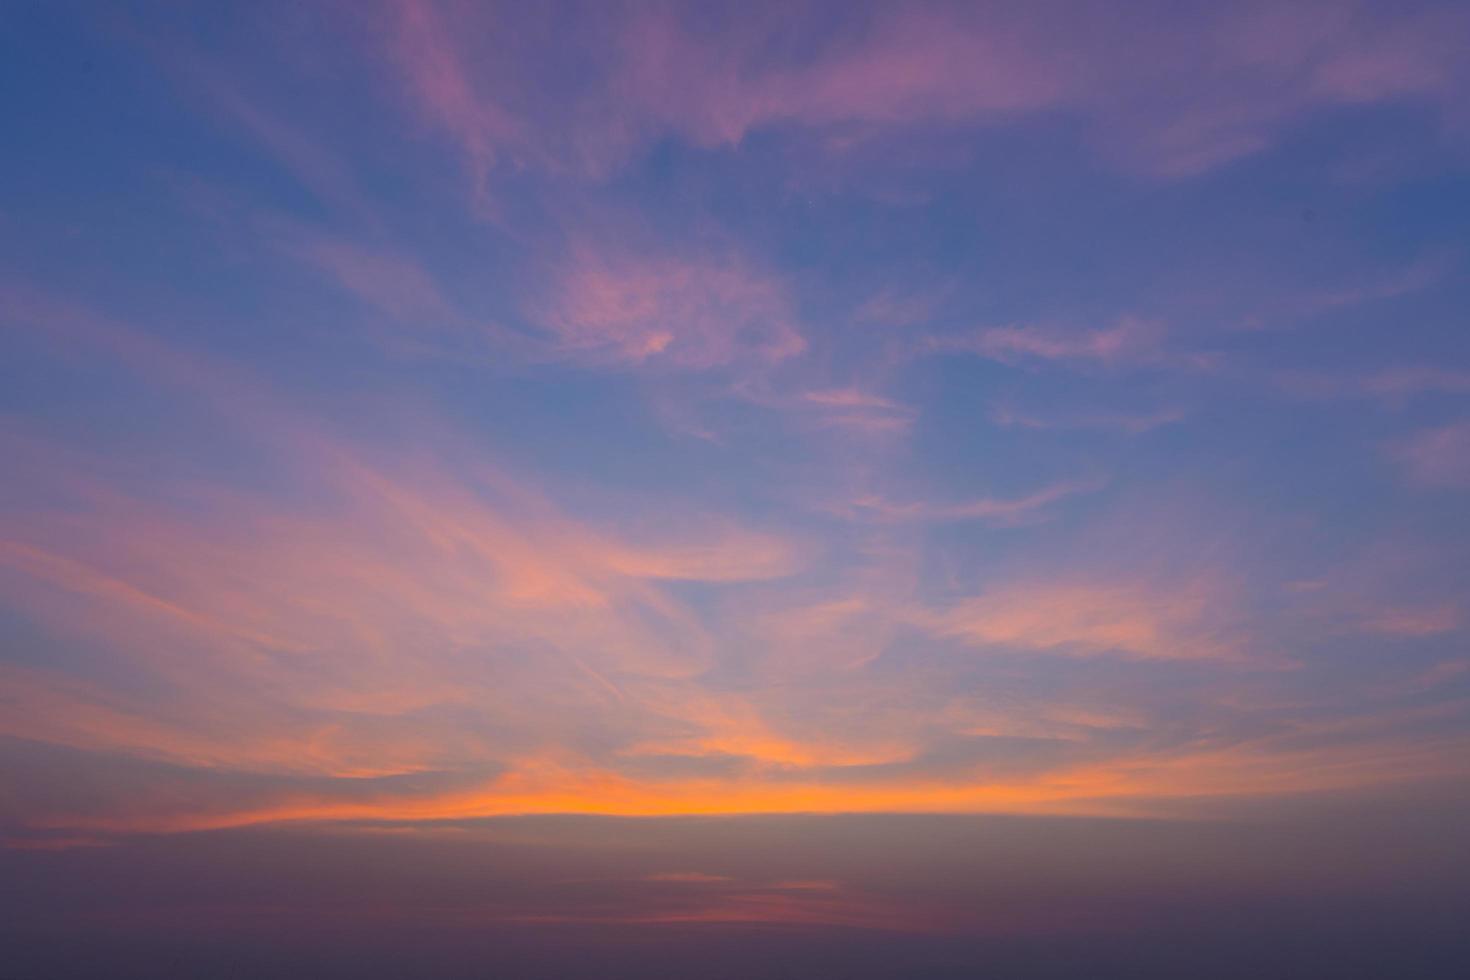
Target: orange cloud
[[283, 635], [1137, 783]]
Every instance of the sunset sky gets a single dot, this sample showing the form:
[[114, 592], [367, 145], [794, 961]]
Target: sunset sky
[[880, 447]]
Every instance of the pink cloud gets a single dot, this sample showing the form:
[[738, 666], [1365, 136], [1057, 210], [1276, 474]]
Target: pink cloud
[[1439, 457], [994, 510], [1367, 286], [900, 308], [1417, 380], [684, 312], [428, 52], [818, 634], [1213, 94], [908, 65], [1137, 620], [1419, 55], [382, 279], [1402, 382], [1166, 95], [1415, 621], [860, 411]]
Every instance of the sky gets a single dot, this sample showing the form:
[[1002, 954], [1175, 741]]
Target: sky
[[682, 482]]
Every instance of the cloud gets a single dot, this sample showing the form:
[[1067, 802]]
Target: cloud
[[1130, 423], [411, 622], [1169, 94], [1415, 621], [391, 615], [383, 279], [856, 410], [661, 310], [1131, 342], [1166, 96], [688, 877], [428, 53], [1366, 288], [908, 65], [994, 510], [400, 625], [1417, 380], [901, 308], [1390, 383], [1438, 457], [1083, 619]]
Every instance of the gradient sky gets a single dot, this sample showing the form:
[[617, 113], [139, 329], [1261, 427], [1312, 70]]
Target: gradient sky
[[413, 413]]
